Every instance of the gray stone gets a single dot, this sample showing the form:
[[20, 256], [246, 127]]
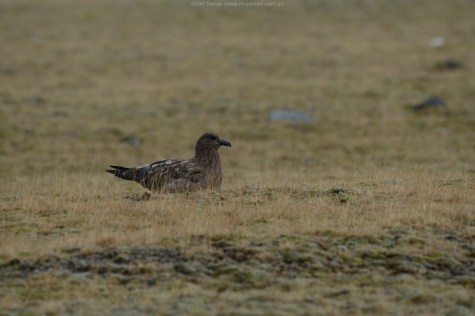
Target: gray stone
[[289, 115], [432, 102]]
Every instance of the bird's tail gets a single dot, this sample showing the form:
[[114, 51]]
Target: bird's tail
[[120, 172]]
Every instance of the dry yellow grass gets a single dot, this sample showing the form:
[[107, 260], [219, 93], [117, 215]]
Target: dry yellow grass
[[44, 217], [369, 209]]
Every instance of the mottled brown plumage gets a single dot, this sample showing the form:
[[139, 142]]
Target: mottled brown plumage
[[178, 175]]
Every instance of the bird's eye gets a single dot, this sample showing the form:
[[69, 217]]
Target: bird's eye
[[214, 138]]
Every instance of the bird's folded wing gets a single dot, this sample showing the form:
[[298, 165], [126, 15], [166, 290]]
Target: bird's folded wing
[[174, 169], [176, 175]]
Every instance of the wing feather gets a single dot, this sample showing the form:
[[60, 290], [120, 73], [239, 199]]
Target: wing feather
[[171, 174]]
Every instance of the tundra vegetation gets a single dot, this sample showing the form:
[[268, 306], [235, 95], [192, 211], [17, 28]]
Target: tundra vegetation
[[367, 208]]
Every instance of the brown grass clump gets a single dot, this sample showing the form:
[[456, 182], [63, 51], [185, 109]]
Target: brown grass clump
[[367, 209]]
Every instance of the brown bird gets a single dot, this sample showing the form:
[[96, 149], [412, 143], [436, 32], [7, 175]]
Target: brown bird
[[203, 171]]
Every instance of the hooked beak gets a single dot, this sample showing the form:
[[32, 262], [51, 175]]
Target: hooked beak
[[224, 143]]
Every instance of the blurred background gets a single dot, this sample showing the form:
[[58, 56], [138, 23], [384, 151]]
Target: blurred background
[[327, 89]]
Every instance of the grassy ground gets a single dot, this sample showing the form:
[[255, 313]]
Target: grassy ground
[[368, 209]]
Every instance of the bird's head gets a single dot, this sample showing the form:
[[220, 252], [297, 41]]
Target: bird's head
[[210, 141]]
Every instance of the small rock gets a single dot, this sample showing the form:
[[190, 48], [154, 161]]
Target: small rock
[[437, 41], [152, 282], [432, 102], [448, 65], [71, 265], [292, 274], [131, 140], [429, 266], [82, 266], [289, 115]]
